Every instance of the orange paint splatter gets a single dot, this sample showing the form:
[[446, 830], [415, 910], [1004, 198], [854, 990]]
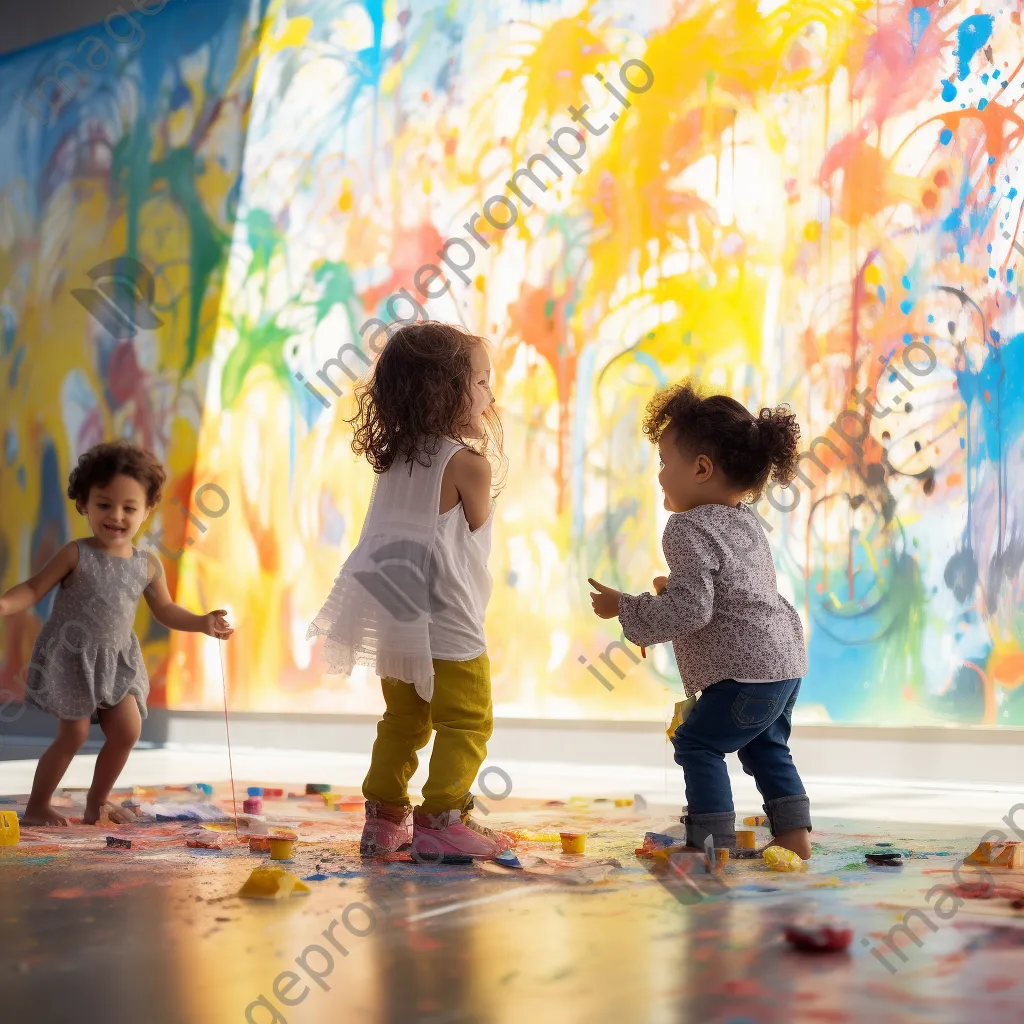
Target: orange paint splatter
[[1006, 667]]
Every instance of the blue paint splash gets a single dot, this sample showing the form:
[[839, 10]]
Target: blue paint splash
[[964, 224], [973, 33], [948, 91], [919, 19], [999, 420]]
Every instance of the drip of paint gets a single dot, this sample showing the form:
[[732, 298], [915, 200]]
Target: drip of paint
[[973, 33], [948, 91]]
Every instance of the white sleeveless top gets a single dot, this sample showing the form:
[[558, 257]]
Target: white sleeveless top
[[415, 587]]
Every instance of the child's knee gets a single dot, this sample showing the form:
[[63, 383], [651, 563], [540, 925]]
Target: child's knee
[[72, 733], [124, 734], [122, 730], [683, 745]]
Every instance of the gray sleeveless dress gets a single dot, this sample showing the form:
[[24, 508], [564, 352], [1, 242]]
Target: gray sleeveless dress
[[87, 656]]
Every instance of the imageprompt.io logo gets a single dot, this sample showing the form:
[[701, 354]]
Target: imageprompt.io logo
[[122, 301], [405, 582]]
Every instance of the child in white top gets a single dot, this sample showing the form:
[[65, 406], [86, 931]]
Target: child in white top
[[411, 597], [738, 643]]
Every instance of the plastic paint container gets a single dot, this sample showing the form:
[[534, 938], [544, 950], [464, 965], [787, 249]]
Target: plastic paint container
[[273, 794], [255, 791], [746, 840], [573, 842], [253, 805]]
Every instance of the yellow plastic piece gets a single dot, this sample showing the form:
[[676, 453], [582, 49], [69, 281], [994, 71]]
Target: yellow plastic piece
[[780, 859], [680, 714], [281, 848], [273, 884], [745, 840], [1003, 855], [756, 821], [624, 802], [573, 842], [10, 831]]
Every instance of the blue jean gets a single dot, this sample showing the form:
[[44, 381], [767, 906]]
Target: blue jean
[[754, 720]]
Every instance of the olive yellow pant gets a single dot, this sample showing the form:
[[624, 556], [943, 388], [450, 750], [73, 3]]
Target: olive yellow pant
[[460, 712]]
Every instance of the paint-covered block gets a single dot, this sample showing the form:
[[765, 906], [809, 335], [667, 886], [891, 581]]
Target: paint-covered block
[[273, 884], [999, 855], [10, 830]]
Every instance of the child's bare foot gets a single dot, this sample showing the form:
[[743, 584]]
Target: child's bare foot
[[43, 815], [798, 840], [116, 815]]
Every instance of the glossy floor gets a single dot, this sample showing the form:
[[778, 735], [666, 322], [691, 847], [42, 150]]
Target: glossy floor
[[158, 934]]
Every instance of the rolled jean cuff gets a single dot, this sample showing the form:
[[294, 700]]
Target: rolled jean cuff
[[721, 825], [788, 812]]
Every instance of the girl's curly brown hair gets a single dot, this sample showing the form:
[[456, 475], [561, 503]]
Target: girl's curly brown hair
[[102, 462], [748, 449], [417, 394]]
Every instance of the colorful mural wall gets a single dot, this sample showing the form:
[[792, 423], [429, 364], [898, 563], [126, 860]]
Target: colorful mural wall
[[121, 158], [799, 202]]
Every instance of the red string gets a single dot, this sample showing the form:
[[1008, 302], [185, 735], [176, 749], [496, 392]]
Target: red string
[[227, 732]]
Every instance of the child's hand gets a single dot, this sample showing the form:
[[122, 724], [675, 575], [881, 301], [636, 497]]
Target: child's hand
[[605, 601], [660, 583], [216, 625]]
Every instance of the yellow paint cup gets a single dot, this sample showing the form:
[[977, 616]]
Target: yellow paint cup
[[746, 840], [573, 842], [721, 857], [281, 849]]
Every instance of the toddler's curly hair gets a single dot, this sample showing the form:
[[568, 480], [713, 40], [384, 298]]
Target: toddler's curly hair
[[102, 462], [748, 449], [416, 395]]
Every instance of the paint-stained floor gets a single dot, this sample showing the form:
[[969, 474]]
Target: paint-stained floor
[[157, 933]]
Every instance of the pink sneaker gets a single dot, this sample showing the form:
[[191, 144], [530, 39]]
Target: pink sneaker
[[437, 838], [505, 842], [381, 833]]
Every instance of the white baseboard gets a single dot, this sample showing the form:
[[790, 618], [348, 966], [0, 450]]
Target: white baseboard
[[971, 755]]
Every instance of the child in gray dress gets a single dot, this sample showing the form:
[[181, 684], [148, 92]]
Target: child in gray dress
[[86, 663]]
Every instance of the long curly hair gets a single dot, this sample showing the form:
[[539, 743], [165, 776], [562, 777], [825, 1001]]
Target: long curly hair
[[102, 462], [748, 449], [418, 393]]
